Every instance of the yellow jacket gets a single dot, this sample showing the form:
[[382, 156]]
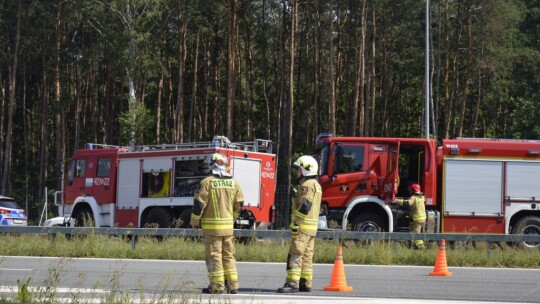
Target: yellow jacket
[[417, 205], [306, 206], [217, 203]]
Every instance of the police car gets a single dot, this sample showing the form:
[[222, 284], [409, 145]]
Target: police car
[[11, 214]]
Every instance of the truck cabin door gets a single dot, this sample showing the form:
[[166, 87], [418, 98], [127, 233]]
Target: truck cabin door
[[89, 176], [75, 180], [391, 180], [103, 180], [348, 173]]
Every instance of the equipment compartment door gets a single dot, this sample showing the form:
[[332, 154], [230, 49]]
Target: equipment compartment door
[[248, 173], [523, 180], [473, 196]]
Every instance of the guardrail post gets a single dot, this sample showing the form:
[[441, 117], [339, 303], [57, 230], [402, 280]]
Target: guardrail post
[[133, 241], [52, 236]]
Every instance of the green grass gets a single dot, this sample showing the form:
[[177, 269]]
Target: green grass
[[178, 248]]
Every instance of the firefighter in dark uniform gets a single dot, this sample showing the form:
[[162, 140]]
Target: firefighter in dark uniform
[[304, 222], [417, 205], [217, 203]]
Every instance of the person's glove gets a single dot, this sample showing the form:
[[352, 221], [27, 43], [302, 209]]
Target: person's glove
[[195, 224], [294, 230]]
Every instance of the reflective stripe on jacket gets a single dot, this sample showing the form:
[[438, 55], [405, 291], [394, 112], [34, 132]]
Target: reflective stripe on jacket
[[417, 205], [222, 198]]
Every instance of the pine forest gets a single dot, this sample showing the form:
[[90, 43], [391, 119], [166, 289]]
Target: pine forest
[[172, 71]]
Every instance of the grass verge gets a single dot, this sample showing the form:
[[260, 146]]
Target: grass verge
[[178, 248]]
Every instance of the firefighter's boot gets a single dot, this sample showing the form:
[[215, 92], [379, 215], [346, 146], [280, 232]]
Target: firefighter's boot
[[210, 290], [229, 289], [288, 288], [303, 286]]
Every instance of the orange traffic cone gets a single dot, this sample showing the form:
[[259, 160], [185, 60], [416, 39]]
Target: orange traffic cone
[[338, 282], [441, 269]]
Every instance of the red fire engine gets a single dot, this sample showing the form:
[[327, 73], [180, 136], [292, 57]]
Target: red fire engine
[[154, 185], [470, 185]]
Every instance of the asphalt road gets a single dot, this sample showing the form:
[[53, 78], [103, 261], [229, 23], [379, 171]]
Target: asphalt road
[[102, 278]]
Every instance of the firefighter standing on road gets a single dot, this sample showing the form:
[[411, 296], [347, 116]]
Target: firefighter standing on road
[[304, 221], [417, 205], [216, 205]]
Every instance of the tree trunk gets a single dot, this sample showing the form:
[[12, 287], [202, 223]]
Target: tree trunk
[[44, 128], [285, 144], [179, 119], [5, 187], [250, 94], [231, 42], [192, 105], [161, 83], [479, 97], [465, 94], [59, 117], [373, 76], [362, 65], [331, 82], [108, 119], [207, 67], [317, 69], [353, 119], [77, 92], [450, 102]]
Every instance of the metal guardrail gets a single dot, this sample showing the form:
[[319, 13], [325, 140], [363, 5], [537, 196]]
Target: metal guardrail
[[276, 234]]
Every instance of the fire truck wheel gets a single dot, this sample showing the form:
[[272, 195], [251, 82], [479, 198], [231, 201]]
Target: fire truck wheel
[[528, 225], [84, 218], [158, 218], [367, 222]]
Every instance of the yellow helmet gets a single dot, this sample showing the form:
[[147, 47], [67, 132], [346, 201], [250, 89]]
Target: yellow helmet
[[308, 165]]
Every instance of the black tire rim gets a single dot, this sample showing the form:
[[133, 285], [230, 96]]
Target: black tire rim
[[534, 230]]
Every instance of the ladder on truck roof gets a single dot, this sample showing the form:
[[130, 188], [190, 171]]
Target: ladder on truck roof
[[257, 145], [93, 146]]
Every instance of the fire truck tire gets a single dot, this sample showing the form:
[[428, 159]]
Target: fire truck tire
[[158, 217], [367, 222], [84, 218], [527, 225]]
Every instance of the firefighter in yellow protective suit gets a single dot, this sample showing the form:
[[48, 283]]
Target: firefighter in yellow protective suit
[[304, 222], [217, 203], [417, 205]]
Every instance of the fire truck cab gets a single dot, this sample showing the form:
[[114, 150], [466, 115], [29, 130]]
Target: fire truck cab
[[154, 185], [361, 176], [470, 185]]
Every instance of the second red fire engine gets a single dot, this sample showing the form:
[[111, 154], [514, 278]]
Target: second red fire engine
[[470, 185]]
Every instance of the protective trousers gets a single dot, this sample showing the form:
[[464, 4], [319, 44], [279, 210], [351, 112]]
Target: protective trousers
[[416, 227], [300, 260], [220, 262]]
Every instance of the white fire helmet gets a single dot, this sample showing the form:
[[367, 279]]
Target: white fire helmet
[[308, 165], [218, 164]]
